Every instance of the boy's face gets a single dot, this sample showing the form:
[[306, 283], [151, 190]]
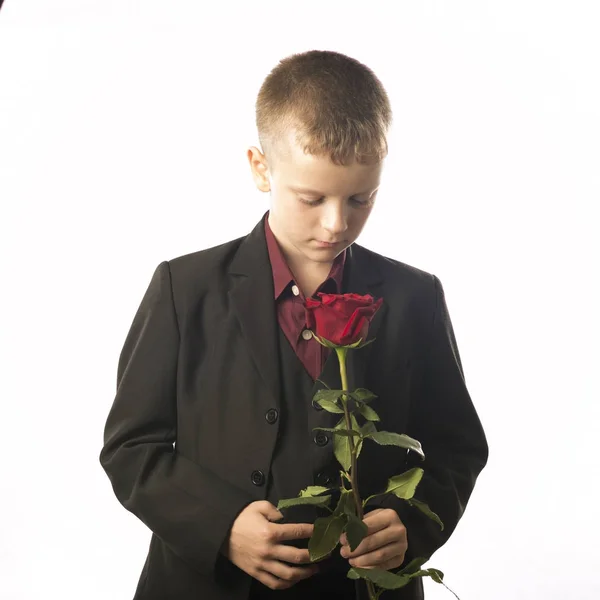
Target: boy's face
[[314, 201]]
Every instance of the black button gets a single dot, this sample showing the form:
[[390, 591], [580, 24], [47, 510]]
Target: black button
[[316, 406], [322, 479], [321, 439], [258, 477], [271, 415]]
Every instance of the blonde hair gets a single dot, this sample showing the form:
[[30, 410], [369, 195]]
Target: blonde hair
[[336, 105]]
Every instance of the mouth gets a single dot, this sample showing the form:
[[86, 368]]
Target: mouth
[[328, 244]]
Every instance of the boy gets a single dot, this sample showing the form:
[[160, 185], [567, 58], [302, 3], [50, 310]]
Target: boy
[[212, 422]]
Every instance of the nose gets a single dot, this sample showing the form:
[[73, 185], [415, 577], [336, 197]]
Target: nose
[[335, 220]]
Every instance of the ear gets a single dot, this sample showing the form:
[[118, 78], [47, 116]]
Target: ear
[[259, 168]]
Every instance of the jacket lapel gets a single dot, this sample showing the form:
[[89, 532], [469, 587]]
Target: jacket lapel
[[252, 298], [362, 276]]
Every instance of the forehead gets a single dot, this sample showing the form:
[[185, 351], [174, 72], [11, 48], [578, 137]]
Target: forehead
[[319, 174]]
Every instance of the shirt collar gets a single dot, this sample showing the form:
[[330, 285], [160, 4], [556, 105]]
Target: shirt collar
[[282, 276]]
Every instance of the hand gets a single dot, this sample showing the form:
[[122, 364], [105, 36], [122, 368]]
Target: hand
[[254, 546], [385, 544]]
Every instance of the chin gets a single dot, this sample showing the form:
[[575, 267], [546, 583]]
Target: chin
[[324, 255]]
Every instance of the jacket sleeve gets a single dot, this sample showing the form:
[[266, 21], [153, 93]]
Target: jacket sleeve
[[444, 420], [189, 507]]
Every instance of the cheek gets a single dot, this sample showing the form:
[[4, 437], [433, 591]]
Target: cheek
[[362, 218], [292, 214], [357, 221], [300, 224]]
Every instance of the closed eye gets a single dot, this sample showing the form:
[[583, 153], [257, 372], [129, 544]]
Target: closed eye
[[355, 201]]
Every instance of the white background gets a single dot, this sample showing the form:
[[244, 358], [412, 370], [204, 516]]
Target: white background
[[123, 135]]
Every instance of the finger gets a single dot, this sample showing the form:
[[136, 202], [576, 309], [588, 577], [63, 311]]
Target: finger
[[271, 581], [288, 573], [380, 519], [374, 541], [392, 554], [388, 565], [373, 512], [289, 554], [392, 564], [375, 523], [291, 531]]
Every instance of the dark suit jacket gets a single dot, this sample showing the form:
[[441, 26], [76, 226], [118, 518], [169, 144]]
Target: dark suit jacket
[[187, 428]]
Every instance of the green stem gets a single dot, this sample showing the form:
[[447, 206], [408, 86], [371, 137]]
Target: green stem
[[341, 352]]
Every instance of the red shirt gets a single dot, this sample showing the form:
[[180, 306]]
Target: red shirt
[[289, 301]]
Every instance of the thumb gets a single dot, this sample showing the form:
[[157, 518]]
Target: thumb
[[271, 512], [274, 514]]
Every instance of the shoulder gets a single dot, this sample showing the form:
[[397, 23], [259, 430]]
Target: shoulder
[[193, 274], [209, 258]]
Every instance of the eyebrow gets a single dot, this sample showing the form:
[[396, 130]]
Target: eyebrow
[[303, 190]]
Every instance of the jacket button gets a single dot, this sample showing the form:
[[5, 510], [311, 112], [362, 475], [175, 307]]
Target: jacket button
[[321, 439], [322, 479], [316, 406], [258, 477], [271, 415]]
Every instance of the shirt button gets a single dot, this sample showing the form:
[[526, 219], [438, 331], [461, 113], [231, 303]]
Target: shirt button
[[295, 290], [321, 439], [271, 416], [307, 334], [258, 477]]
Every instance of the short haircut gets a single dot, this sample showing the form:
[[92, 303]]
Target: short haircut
[[337, 106]]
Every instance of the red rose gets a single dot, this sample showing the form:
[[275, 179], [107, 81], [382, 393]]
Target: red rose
[[342, 319]]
